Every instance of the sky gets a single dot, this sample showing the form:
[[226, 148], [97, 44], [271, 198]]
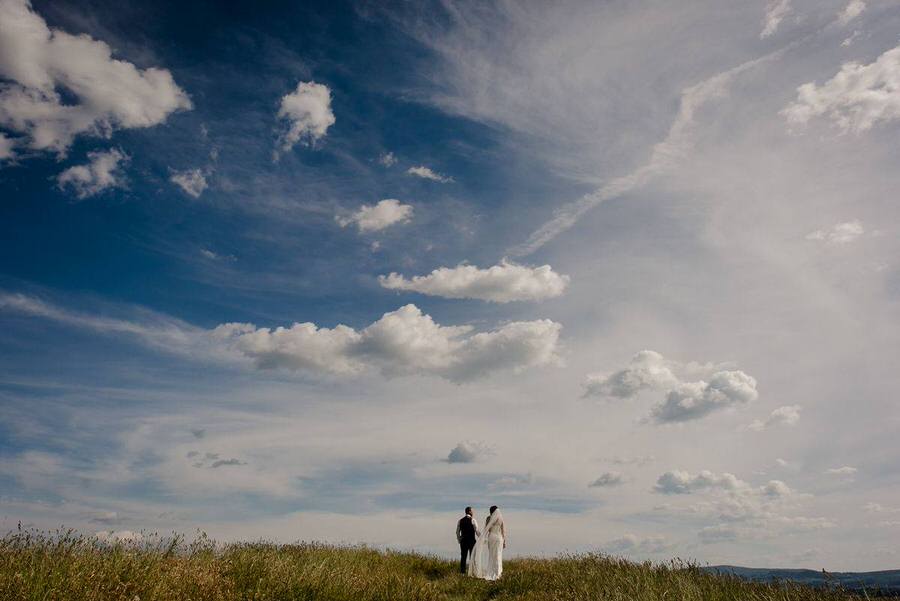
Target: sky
[[334, 271]]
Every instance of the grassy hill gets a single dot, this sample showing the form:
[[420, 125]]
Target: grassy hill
[[66, 567]]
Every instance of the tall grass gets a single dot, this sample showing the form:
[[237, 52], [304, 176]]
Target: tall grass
[[66, 567]]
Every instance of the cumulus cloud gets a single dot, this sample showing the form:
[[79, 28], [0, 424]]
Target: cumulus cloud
[[855, 99], [61, 85], [681, 482], [388, 159], [375, 218], [684, 400], [631, 544], [851, 11], [502, 283], [841, 471], [693, 400], [191, 181], [840, 233], [427, 173], [776, 11], [646, 370], [307, 111], [787, 415], [468, 452], [608, 480], [402, 342], [102, 172]]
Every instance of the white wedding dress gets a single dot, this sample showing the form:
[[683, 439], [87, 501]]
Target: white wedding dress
[[487, 556]]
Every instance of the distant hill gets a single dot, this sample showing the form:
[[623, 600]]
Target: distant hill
[[884, 582]]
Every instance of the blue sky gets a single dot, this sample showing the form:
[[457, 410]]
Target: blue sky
[[334, 271]]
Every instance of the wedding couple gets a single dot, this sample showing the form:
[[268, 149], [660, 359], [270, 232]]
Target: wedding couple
[[482, 549]]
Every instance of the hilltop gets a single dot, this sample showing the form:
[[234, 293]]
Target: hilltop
[[72, 568]]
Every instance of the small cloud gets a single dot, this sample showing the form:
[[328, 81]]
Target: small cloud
[[841, 233], [387, 159], [787, 415], [102, 172], [192, 454], [375, 218], [106, 517], [513, 481], [307, 111], [502, 283], [7, 147], [851, 11], [841, 471], [191, 181], [214, 256], [198, 432], [468, 452], [224, 462], [427, 173], [631, 544], [717, 534], [608, 480], [119, 536], [776, 11]]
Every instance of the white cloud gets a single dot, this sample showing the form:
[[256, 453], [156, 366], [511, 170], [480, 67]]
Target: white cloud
[[468, 452], [192, 181], [851, 11], [841, 471], [879, 508], [787, 415], [502, 283], [119, 536], [840, 233], [681, 482], [307, 111], [646, 370], [856, 98], [608, 479], [387, 159], [776, 11], [685, 400], [693, 400], [374, 218], [402, 342], [104, 93], [630, 544], [427, 173], [101, 173]]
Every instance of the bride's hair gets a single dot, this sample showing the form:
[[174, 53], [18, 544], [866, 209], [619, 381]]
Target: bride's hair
[[493, 508]]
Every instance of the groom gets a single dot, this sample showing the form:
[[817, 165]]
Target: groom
[[466, 533]]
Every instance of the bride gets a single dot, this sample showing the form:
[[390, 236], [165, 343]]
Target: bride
[[487, 556]]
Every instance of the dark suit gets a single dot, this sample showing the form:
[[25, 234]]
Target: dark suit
[[466, 531]]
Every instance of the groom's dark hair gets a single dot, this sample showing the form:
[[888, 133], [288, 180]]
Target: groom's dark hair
[[493, 508], [468, 511]]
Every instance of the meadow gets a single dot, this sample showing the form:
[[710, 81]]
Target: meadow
[[67, 567]]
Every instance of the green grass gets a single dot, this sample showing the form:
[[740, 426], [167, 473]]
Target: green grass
[[67, 567]]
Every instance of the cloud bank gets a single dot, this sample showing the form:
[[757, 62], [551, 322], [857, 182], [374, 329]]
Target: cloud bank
[[402, 342], [502, 283]]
